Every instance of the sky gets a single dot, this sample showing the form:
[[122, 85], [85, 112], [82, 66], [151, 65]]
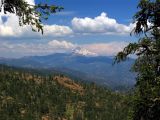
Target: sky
[[97, 27]]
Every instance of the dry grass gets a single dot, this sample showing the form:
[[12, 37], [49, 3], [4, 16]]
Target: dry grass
[[68, 83]]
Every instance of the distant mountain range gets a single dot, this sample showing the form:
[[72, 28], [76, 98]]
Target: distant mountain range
[[98, 69]]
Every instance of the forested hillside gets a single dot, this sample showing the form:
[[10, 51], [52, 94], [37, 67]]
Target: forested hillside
[[30, 95]]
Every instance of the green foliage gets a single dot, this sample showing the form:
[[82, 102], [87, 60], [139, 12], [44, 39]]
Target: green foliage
[[32, 96], [147, 64], [29, 14]]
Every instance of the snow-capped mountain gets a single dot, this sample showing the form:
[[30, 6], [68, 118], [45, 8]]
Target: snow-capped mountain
[[82, 65], [82, 52]]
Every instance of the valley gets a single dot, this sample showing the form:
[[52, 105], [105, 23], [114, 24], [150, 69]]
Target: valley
[[97, 69]]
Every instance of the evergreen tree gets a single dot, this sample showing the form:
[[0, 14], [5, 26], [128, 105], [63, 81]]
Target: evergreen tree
[[147, 64]]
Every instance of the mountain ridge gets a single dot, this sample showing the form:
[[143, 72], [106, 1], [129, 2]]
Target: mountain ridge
[[98, 69]]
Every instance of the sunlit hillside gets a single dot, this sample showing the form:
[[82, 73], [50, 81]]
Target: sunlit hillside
[[28, 95]]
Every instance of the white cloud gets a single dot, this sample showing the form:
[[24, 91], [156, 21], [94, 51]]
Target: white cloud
[[11, 28], [61, 44], [8, 49], [101, 24], [31, 2], [57, 30], [106, 49]]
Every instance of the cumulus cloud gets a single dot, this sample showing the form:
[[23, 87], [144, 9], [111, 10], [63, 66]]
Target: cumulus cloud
[[57, 30], [61, 44], [10, 49], [11, 28], [101, 24]]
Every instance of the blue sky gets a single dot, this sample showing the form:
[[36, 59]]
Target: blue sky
[[99, 27], [121, 10]]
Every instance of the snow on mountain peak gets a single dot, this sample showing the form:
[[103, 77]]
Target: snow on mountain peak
[[83, 52]]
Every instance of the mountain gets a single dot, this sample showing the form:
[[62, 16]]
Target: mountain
[[98, 69]]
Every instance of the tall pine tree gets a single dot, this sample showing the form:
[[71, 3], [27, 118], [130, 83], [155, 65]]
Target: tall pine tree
[[147, 64]]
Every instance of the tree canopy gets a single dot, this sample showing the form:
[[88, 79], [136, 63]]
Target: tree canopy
[[147, 64], [32, 15]]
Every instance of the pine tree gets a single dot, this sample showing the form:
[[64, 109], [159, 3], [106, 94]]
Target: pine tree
[[147, 64]]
